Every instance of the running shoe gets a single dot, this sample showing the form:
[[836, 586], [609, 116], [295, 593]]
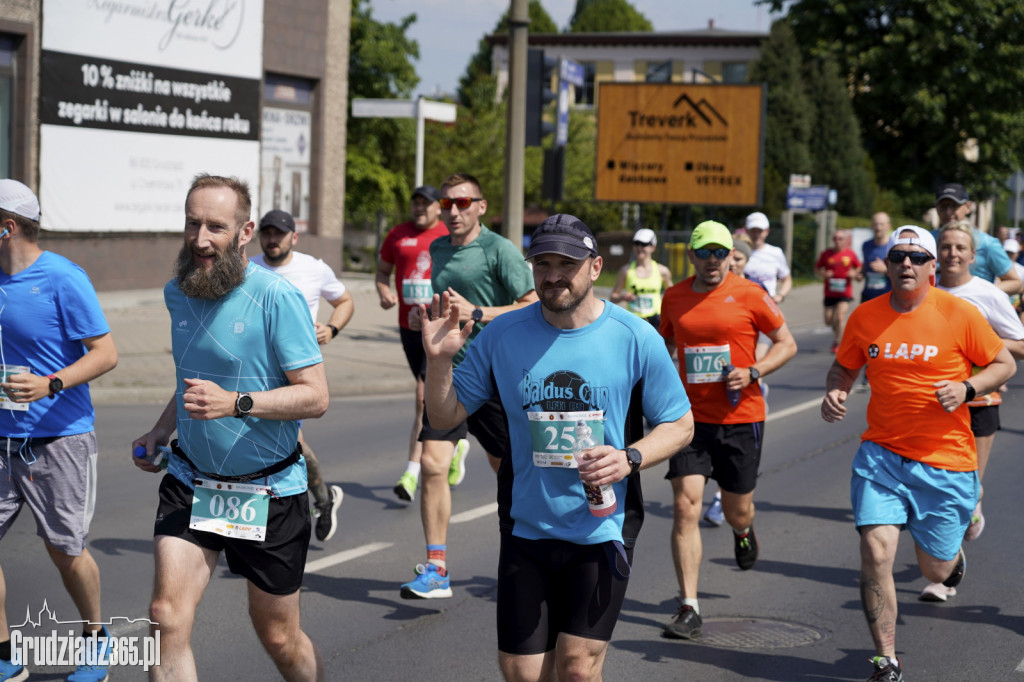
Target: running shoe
[[977, 524], [428, 584], [886, 670], [686, 624], [406, 487], [746, 549], [12, 673], [714, 514], [327, 514], [98, 672], [958, 571], [457, 470], [936, 592]]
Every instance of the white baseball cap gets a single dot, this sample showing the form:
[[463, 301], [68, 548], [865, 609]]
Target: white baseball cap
[[922, 238], [646, 235], [17, 198], [757, 221], [1011, 245]]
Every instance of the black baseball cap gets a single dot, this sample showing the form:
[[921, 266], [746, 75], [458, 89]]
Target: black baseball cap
[[954, 191], [428, 192], [282, 220], [563, 234]]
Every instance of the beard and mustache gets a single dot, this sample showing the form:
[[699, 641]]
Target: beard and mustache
[[195, 281]]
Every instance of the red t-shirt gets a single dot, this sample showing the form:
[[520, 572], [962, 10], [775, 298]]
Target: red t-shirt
[[408, 249], [839, 285], [713, 327]]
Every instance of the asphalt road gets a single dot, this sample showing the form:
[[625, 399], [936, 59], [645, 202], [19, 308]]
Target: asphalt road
[[795, 616]]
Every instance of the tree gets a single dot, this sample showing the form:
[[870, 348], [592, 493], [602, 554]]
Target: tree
[[380, 151], [607, 16], [927, 76], [789, 118], [838, 158], [480, 65]]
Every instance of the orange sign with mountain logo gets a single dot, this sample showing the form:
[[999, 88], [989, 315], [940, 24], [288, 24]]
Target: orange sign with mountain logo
[[680, 143]]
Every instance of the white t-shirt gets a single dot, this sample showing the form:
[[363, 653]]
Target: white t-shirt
[[994, 305], [767, 266], [313, 277]]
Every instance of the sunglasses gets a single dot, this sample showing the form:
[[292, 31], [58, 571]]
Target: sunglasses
[[641, 244], [461, 202], [916, 257], [704, 254]]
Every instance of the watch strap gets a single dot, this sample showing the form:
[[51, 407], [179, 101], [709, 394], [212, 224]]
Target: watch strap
[[971, 392], [334, 330]]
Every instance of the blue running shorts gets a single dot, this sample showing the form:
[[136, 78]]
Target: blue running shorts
[[934, 504]]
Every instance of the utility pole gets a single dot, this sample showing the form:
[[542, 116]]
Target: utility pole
[[515, 131]]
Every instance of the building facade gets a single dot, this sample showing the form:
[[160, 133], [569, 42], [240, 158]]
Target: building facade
[[107, 110]]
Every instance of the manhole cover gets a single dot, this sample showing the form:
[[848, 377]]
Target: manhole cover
[[758, 633]]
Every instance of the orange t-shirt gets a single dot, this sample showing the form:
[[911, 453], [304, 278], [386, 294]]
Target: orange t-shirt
[[905, 354], [710, 327]]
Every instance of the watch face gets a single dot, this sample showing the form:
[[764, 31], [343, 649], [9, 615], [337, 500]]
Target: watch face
[[56, 385], [754, 374], [478, 314], [634, 457], [244, 403]]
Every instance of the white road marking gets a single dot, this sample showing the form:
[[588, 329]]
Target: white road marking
[[806, 405], [471, 514], [347, 555]]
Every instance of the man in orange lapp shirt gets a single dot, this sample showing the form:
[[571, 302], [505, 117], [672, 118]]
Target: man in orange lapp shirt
[[712, 321], [916, 465]]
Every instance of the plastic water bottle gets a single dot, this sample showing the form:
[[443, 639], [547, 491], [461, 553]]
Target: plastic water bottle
[[600, 499], [160, 457], [732, 394]]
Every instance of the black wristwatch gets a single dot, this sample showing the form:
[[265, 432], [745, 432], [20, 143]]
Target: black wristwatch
[[970, 392], [754, 374], [56, 385], [334, 330], [635, 459], [243, 405], [478, 314]]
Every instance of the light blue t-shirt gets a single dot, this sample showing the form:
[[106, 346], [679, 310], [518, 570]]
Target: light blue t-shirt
[[617, 366], [990, 260], [244, 341], [45, 312]]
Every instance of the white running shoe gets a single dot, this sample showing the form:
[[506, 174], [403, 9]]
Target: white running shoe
[[937, 592]]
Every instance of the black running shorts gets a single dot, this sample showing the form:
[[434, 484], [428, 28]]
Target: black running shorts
[[728, 453], [546, 587], [984, 420], [489, 425], [275, 565]]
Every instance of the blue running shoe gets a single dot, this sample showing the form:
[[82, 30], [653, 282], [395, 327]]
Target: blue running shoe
[[98, 653], [714, 515], [429, 584], [12, 673]]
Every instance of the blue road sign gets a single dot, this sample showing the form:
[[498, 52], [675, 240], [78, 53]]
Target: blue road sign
[[572, 72], [814, 198]]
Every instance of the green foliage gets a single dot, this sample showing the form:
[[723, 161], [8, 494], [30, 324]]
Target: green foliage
[[838, 157], [607, 16], [381, 152], [475, 144], [789, 117], [580, 175], [480, 65], [927, 75]]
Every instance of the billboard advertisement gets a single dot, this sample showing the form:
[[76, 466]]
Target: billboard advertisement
[[680, 143], [136, 98]]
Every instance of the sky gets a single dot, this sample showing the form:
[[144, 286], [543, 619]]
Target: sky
[[448, 30]]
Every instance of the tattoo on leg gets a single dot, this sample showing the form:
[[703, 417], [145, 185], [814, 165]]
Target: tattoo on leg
[[872, 599]]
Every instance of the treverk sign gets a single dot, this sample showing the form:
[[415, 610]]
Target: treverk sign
[[680, 143]]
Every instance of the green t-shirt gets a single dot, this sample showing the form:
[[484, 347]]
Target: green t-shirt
[[489, 271]]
